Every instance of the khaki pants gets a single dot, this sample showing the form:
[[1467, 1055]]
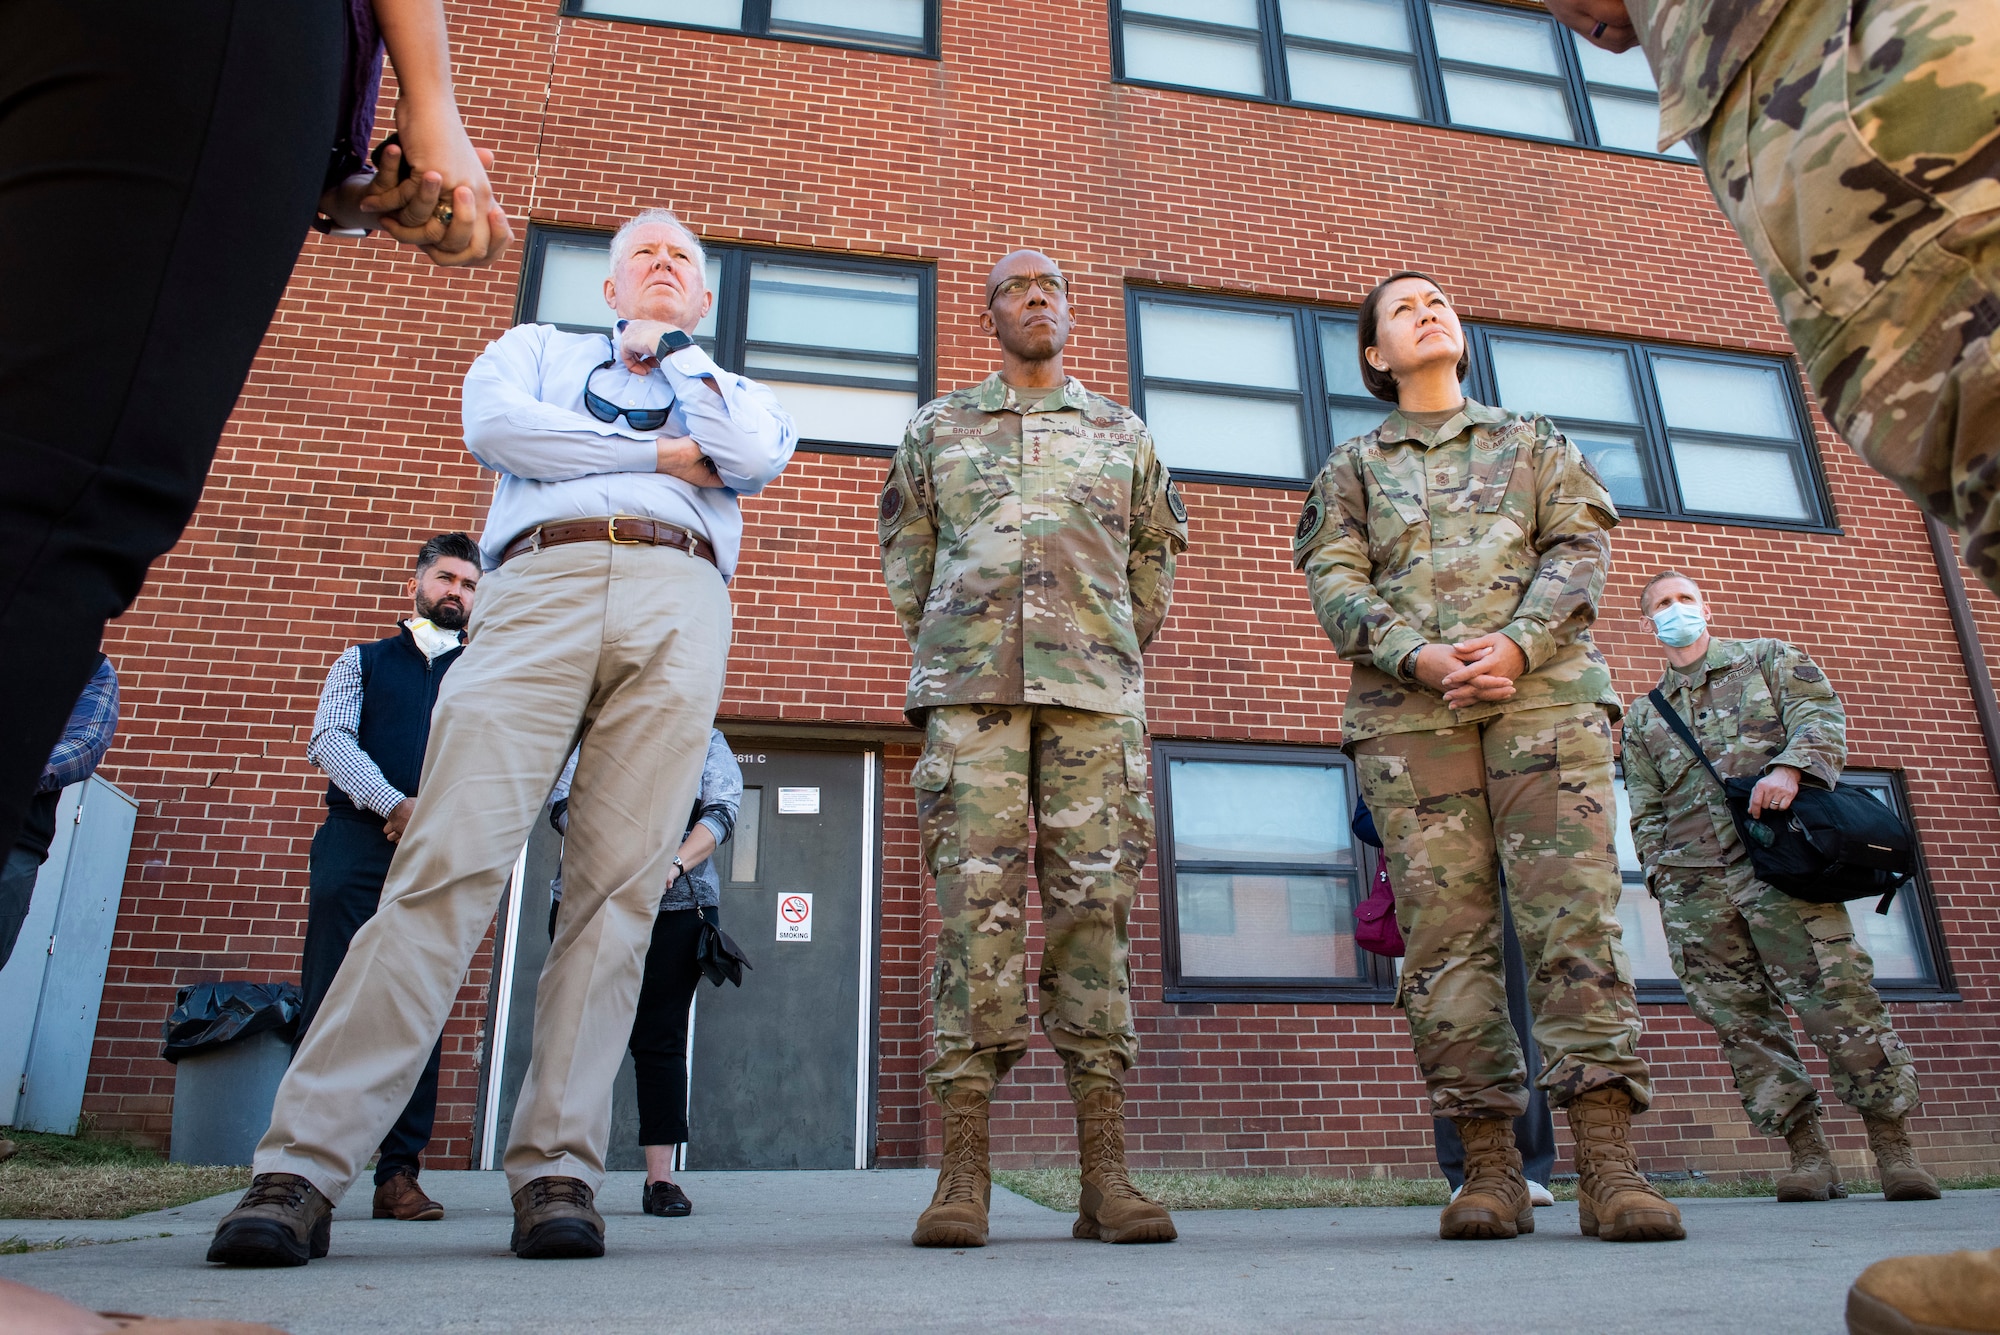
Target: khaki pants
[[1528, 793], [991, 778], [626, 647]]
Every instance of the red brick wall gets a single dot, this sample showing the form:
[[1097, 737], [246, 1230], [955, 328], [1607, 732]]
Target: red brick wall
[[344, 454]]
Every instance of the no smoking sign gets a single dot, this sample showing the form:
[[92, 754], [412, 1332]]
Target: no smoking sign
[[795, 917]]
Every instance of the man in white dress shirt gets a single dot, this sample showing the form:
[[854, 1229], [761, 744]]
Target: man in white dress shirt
[[604, 619]]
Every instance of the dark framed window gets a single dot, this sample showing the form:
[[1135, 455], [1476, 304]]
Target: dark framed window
[[846, 344], [1676, 433], [1260, 875], [1498, 68], [1905, 943], [906, 26]]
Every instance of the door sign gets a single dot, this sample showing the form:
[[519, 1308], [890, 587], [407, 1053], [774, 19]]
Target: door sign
[[798, 801], [795, 917]]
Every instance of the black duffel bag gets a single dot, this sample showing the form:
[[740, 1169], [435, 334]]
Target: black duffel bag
[[1831, 846]]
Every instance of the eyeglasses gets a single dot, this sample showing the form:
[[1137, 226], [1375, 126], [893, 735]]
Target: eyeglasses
[[604, 410], [1052, 284]]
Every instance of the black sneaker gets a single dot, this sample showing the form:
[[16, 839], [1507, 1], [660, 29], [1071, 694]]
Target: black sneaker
[[666, 1200], [282, 1220]]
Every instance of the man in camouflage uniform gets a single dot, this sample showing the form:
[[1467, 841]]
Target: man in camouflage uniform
[[1028, 536], [1741, 948], [1455, 556], [1855, 146]]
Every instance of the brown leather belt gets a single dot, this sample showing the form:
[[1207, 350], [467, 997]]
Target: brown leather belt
[[626, 530]]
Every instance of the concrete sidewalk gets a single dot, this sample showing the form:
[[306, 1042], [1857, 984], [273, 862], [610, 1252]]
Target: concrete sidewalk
[[830, 1251]]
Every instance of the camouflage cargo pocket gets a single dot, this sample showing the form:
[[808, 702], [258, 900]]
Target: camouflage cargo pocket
[[937, 807], [1824, 216]]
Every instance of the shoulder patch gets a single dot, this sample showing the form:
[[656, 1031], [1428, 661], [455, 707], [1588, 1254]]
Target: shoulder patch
[[1591, 469], [1310, 520], [1175, 505], [892, 503], [1808, 672]]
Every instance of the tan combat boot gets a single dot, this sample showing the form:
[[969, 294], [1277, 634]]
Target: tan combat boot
[[1927, 1295], [1111, 1208], [1614, 1201], [1903, 1178], [1814, 1176], [956, 1216], [1494, 1201]]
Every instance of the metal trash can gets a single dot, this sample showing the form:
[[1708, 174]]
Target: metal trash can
[[230, 1043]]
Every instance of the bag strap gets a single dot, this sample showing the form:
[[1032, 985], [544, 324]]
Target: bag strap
[[1680, 727]]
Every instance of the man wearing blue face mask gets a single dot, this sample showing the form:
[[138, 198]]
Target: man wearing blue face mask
[[1741, 948]]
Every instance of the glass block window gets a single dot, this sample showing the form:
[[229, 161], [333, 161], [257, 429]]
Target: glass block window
[[908, 26], [846, 345], [1261, 873], [1674, 433], [1501, 69]]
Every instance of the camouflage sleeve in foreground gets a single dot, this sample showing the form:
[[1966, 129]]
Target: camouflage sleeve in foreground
[[1643, 790], [1159, 534], [1815, 722], [1573, 512], [1697, 48], [1331, 546], [906, 530]]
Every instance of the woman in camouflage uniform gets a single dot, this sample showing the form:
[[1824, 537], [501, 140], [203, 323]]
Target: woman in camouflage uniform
[[1455, 556]]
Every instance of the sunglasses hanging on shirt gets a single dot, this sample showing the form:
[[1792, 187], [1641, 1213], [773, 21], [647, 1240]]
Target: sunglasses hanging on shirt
[[604, 410]]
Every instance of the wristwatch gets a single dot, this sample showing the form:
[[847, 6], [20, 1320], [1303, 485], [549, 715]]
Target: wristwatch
[[672, 342], [679, 870]]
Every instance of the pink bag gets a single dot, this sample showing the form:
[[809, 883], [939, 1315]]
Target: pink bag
[[1375, 929]]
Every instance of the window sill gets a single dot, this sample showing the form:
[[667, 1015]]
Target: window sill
[[1280, 995], [1323, 109], [929, 51]]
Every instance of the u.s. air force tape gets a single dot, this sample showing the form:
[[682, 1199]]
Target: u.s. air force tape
[[1309, 523], [1176, 504], [892, 503]]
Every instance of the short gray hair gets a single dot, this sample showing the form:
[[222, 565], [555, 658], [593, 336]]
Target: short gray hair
[[621, 240]]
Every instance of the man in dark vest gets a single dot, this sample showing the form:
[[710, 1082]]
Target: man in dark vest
[[369, 735]]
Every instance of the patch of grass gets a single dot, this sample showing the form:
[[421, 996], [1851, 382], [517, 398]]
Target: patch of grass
[[20, 1246], [1058, 1188], [82, 1177]]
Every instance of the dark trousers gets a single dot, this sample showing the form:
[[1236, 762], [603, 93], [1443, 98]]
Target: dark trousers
[[159, 165], [659, 1042], [349, 861], [17, 892], [1534, 1130]]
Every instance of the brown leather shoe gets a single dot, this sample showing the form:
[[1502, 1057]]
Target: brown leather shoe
[[1813, 1176], [956, 1216], [1111, 1209], [1494, 1202], [1903, 1178], [401, 1198], [1614, 1201], [1945, 1294], [282, 1220], [556, 1218]]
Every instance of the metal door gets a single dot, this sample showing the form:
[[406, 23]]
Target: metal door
[[781, 1071]]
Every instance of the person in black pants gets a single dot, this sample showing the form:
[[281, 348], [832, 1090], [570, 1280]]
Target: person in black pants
[[1534, 1130], [369, 736], [660, 1026], [158, 166]]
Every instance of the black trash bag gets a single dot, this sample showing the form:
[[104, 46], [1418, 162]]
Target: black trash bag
[[207, 1015]]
